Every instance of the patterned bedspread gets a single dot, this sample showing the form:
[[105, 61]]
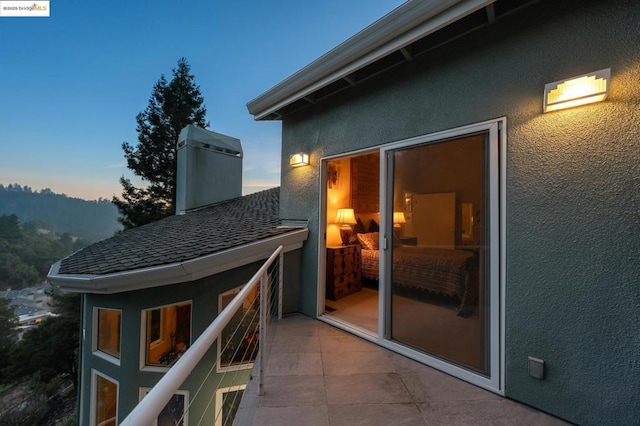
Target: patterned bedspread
[[437, 270]]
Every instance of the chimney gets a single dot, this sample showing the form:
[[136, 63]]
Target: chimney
[[209, 168]]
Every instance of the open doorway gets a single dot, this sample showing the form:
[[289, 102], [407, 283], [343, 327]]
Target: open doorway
[[352, 211]]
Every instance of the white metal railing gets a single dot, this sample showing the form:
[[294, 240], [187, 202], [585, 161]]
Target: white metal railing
[[147, 411]]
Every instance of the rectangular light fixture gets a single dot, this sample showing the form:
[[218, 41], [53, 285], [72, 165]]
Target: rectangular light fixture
[[299, 159], [581, 90]]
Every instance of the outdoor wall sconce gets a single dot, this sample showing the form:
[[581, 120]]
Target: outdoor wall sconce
[[346, 218], [299, 159], [580, 90]]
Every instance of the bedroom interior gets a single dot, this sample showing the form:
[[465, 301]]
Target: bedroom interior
[[437, 302]]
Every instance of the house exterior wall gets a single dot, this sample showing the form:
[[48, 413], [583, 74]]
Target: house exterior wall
[[204, 296], [572, 195]]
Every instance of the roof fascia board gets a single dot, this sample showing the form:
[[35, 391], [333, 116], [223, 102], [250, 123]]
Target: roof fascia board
[[176, 272], [239, 256], [373, 36], [373, 43]]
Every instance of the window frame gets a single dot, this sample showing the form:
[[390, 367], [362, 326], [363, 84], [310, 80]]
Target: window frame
[[143, 391], [145, 344], [96, 334], [94, 388], [219, 398]]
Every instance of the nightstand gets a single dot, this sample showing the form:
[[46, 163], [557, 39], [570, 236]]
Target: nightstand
[[409, 241], [343, 271]]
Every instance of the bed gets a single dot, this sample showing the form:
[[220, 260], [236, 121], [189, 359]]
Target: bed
[[442, 271]]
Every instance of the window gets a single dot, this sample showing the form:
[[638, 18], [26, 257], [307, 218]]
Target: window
[[227, 403], [107, 331], [238, 343], [104, 403], [167, 333], [173, 414]]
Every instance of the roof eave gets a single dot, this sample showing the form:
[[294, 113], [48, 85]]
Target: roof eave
[[404, 25], [174, 273]]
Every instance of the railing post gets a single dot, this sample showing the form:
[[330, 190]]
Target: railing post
[[280, 283], [264, 297]]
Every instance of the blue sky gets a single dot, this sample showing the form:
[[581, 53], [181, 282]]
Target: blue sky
[[71, 84]]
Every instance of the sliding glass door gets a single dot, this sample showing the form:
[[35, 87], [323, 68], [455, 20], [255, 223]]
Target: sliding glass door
[[425, 248], [438, 289]]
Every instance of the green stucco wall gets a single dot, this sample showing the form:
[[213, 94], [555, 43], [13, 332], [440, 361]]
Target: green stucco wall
[[204, 296], [572, 197]]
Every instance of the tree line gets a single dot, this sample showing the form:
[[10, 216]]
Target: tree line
[[90, 220], [26, 254]]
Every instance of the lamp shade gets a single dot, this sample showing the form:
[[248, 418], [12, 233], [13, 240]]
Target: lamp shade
[[346, 217], [398, 217]]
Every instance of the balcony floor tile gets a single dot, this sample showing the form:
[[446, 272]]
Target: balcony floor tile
[[375, 415], [319, 375]]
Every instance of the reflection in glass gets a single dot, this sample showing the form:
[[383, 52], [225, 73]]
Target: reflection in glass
[[239, 342], [168, 333], [109, 331], [106, 402], [438, 288]]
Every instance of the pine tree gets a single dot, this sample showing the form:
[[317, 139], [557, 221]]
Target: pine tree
[[171, 107]]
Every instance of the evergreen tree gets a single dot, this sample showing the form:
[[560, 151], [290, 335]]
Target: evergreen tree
[[172, 106], [9, 227]]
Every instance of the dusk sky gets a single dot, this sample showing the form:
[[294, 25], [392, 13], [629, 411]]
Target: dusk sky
[[72, 84]]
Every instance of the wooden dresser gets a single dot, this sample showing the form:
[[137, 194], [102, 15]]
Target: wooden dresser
[[343, 271]]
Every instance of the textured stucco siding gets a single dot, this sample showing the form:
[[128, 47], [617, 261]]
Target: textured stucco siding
[[572, 197]]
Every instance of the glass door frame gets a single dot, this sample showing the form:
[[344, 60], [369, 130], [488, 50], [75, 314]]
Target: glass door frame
[[496, 176]]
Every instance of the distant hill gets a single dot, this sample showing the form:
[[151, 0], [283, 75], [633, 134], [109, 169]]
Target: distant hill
[[89, 220]]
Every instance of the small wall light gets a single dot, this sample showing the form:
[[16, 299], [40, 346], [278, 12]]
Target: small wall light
[[580, 90], [346, 217], [299, 159]]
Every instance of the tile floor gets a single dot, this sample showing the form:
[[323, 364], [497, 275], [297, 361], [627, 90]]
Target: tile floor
[[319, 375]]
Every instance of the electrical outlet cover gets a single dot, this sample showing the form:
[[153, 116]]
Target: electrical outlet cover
[[536, 368]]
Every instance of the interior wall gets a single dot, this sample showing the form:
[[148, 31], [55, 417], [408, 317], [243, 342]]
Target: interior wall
[[442, 167], [571, 188], [338, 196]]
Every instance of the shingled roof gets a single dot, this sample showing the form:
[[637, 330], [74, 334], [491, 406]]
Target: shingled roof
[[181, 238]]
